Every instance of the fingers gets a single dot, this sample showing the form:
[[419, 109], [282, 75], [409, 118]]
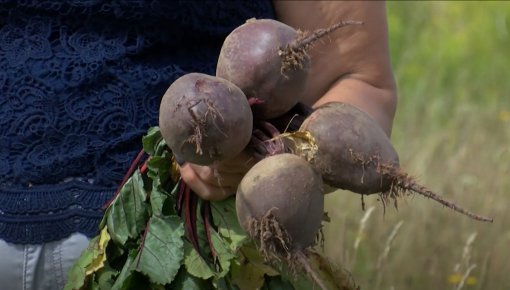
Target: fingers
[[202, 180], [218, 181], [240, 164], [214, 177]]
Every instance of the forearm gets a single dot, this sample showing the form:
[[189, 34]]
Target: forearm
[[380, 103]]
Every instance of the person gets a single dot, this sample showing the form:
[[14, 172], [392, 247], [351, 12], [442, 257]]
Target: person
[[80, 84]]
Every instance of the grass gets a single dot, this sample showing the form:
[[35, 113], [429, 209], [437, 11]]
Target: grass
[[452, 130]]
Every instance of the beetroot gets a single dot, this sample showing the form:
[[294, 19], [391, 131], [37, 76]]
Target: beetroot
[[355, 154], [205, 119], [280, 204], [351, 146], [267, 59]]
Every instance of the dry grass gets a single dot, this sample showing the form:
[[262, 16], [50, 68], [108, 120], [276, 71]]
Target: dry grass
[[452, 131]]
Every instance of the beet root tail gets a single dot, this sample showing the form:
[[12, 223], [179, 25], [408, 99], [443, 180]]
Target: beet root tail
[[403, 182], [294, 54], [303, 261], [309, 38]]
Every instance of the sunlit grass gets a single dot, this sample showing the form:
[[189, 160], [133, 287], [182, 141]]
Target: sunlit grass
[[452, 131]]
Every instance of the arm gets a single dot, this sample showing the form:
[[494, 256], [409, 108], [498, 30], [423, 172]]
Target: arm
[[353, 64]]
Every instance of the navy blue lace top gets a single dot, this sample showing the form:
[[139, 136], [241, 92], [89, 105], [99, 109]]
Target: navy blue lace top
[[80, 84]]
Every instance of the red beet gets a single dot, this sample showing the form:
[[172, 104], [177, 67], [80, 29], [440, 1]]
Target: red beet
[[267, 59], [280, 204], [355, 154], [205, 119]]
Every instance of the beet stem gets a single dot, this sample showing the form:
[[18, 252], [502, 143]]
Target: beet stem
[[267, 133], [206, 218], [128, 174], [142, 245], [190, 217], [180, 197], [269, 128], [255, 101]]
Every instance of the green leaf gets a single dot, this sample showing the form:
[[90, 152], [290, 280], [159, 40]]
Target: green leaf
[[223, 253], [247, 275], [162, 250], [77, 277], [184, 281], [160, 172], [157, 198], [99, 252], [223, 283], [160, 167], [116, 255], [151, 140], [248, 271], [195, 265], [253, 256], [279, 283], [170, 202], [91, 260], [125, 277], [225, 217], [220, 266], [93, 285], [104, 219], [161, 148], [128, 213], [225, 243], [300, 282], [105, 277]]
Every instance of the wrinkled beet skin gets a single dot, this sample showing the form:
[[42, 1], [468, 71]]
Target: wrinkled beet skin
[[249, 58], [229, 123], [344, 134], [290, 184]]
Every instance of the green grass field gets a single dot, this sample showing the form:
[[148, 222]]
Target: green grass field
[[452, 130]]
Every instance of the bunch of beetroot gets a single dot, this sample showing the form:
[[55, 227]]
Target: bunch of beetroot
[[261, 73]]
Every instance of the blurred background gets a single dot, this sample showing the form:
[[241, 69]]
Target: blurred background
[[452, 130]]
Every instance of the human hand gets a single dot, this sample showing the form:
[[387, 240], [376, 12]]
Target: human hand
[[218, 181]]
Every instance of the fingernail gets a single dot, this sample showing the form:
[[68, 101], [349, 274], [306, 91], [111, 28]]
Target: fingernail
[[179, 160]]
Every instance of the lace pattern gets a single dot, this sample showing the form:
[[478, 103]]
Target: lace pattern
[[51, 212], [80, 83]]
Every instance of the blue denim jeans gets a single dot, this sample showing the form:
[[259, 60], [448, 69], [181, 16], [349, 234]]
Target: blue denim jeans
[[39, 267]]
